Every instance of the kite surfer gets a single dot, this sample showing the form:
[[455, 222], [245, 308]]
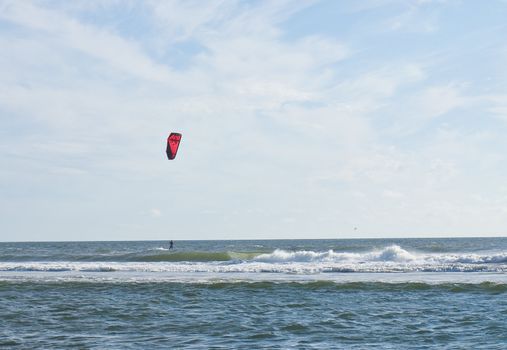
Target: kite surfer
[[171, 244]]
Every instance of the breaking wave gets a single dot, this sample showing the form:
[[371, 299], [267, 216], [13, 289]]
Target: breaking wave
[[391, 253], [392, 258]]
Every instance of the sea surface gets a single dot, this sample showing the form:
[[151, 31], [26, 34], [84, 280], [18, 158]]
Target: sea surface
[[270, 294]]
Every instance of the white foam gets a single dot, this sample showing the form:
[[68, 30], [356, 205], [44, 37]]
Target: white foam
[[391, 253], [389, 259]]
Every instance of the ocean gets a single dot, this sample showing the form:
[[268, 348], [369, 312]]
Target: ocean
[[270, 294]]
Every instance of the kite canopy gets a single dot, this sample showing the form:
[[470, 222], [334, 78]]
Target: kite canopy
[[173, 142]]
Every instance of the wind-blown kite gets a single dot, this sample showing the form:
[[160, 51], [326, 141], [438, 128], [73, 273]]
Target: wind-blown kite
[[173, 142]]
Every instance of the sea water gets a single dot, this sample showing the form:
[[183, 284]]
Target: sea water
[[274, 294]]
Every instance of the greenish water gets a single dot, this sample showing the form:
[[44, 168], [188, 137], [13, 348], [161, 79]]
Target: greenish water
[[322, 294]]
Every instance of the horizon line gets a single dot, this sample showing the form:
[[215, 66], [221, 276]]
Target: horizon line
[[258, 239]]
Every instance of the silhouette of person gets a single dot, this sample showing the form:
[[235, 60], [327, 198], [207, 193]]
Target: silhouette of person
[[171, 244]]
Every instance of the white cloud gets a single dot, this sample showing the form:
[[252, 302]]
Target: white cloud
[[500, 112], [417, 16], [155, 212], [282, 134], [436, 101], [181, 20], [371, 88], [67, 33], [496, 104]]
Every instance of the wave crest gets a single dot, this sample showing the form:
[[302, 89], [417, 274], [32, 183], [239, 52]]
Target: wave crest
[[392, 253]]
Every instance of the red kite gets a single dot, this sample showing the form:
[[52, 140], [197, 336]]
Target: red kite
[[173, 142]]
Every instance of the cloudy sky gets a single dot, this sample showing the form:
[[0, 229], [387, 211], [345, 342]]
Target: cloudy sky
[[300, 119]]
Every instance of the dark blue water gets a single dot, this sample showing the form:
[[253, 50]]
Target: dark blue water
[[325, 294]]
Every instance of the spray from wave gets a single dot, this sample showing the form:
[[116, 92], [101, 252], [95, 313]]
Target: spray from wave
[[391, 253]]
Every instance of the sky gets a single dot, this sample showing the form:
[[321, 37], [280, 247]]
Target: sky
[[300, 119]]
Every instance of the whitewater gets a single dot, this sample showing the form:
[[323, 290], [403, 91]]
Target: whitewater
[[269, 294], [390, 259], [220, 259]]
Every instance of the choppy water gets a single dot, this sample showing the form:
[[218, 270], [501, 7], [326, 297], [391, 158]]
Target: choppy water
[[414, 293]]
